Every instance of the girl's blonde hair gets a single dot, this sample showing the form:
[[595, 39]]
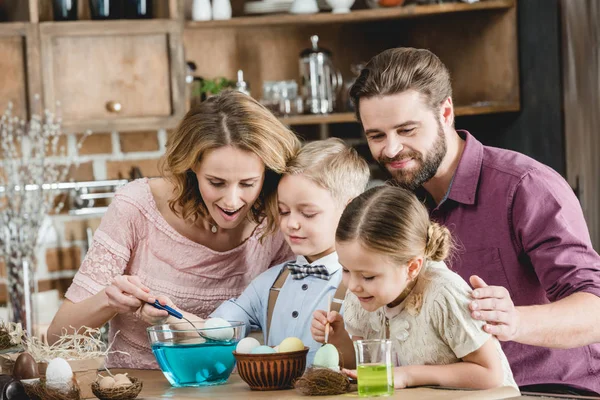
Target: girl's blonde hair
[[334, 166], [228, 119], [391, 221]]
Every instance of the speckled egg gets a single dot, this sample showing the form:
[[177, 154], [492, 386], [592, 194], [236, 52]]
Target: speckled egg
[[263, 350], [291, 344], [246, 345], [218, 334], [327, 357]]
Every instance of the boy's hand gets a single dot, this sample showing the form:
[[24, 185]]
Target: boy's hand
[[319, 322], [154, 316]]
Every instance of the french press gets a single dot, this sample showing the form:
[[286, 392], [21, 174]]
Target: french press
[[321, 81]]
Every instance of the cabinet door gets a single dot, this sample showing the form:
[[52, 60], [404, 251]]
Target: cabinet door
[[20, 80], [114, 75]]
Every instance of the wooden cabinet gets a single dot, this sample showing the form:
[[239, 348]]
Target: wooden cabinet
[[20, 81], [114, 75], [477, 42], [100, 75], [130, 75]]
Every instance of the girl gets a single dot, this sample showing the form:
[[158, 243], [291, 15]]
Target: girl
[[401, 289], [198, 235]]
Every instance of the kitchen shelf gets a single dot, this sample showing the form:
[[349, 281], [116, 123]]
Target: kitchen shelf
[[410, 11], [10, 28], [346, 117]]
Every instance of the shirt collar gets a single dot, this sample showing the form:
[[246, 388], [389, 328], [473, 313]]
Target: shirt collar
[[330, 262], [466, 177]]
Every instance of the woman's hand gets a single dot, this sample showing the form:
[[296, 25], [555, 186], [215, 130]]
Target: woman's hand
[[336, 326], [153, 316], [127, 294]]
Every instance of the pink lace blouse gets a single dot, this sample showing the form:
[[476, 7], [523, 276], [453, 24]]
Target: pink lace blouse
[[134, 239]]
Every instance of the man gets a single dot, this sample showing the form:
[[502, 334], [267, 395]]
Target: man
[[517, 224]]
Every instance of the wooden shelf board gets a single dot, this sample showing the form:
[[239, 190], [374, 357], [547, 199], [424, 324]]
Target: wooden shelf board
[[410, 11], [13, 28], [336, 118], [108, 27]]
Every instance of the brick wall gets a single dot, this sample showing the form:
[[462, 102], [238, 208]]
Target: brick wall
[[101, 156]]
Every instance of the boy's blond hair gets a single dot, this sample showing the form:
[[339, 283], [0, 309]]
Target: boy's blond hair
[[334, 166]]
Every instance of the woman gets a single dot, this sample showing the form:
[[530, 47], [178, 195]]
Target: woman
[[198, 235]]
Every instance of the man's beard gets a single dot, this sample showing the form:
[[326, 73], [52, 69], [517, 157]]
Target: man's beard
[[427, 168]]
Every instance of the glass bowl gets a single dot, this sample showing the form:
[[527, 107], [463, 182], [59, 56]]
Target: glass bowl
[[195, 357]]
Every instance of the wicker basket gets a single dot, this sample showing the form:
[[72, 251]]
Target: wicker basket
[[275, 371], [120, 393]]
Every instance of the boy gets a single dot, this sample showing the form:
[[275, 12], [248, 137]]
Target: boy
[[319, 182]]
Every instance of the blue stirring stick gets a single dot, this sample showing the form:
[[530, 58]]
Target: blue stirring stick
[[168, 309], [171, 311]]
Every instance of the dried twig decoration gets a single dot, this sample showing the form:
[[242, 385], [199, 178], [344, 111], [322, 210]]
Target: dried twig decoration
[[32, 162], [322, 382]]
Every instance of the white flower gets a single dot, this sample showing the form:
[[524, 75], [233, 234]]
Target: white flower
[[400, 330], [15, 331]]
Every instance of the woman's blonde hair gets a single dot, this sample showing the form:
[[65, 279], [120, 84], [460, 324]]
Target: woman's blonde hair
[[228, 119], [334, 166], [391, 221]]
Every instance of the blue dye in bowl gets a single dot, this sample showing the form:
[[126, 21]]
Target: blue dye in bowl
[[194, 361]]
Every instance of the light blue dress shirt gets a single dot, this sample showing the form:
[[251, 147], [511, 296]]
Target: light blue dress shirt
[[297, 301]]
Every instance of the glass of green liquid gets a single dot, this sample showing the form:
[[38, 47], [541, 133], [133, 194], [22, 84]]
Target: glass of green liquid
[[374, 367]]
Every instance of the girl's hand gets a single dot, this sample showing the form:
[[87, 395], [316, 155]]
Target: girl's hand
[[350, 373], [401, 378], [127, 294], [153, 316], [319, 323]]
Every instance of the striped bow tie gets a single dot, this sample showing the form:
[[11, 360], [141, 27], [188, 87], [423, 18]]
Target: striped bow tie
[[301, 271]]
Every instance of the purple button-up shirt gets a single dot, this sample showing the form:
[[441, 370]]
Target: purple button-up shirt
[[518, 224]]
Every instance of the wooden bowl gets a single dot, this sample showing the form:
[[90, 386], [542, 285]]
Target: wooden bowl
[[275, 371]]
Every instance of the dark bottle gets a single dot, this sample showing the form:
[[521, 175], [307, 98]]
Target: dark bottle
[[135, 9], [106, 9], [65, 10]]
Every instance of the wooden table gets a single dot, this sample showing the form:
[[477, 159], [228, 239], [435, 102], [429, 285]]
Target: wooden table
[[157, 387]]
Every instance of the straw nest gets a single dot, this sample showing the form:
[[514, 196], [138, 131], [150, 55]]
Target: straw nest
[[39, 391], [118, 393], [322, 382]]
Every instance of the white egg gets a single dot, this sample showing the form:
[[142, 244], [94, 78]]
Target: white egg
[[246, 345], [276, 348], [121, 380], [218, 334], [59, 374], [107, 382]]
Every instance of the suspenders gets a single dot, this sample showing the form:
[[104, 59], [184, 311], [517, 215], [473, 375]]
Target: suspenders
[[336, 303]]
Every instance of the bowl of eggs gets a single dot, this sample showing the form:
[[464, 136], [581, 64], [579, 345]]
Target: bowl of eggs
[[270, 368], [199, 355]]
